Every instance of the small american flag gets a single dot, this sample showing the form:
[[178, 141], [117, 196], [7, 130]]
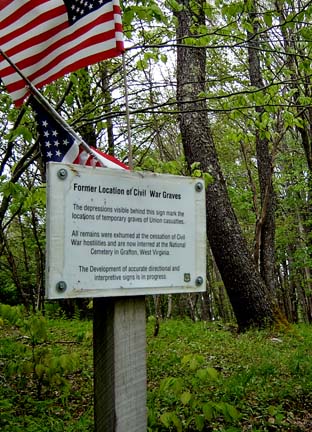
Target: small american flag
[[59, 145], [47, 39]]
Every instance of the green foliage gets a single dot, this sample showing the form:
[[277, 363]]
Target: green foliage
[[13, 314], [14, 190], [20, 264], [201, 377], [188, 409], [43, 360], [154, 164], [45, 368], [197, 172], [212, 380]]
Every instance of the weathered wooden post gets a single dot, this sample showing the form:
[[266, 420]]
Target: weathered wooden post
[[117, 236], [119, 364]]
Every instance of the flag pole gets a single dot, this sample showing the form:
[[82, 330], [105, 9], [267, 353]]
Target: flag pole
[[130, 157], [45, 104]]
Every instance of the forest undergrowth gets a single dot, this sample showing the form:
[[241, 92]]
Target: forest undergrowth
[[201, 376]]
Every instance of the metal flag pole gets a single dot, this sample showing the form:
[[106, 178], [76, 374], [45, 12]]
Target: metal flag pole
[[130, 157], [45, 104]]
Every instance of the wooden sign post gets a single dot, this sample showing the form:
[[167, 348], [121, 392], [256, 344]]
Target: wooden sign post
[[117, 236], [119, 364]]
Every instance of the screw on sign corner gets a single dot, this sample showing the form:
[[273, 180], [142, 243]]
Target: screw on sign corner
[[61, 286], [199, 281], [62, 174]]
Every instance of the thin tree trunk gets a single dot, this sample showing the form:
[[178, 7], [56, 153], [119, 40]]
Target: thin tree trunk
[[265, 224], [107, 108], [169, 307]]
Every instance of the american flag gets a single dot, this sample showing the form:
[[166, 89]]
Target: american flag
[[59, 145], [47, 39]]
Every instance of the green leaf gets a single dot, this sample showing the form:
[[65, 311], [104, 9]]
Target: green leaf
[[11, 189], [169, 418], [171, 384], [5, 404], [177, 422], [165, 419], [248, 26], [40, 370], [306, 33], [207, 373], [141, 65], [232, 412], [193, 360], [196, 173], [174, 5], [268, 18], [208, 179], [163, 58], [228, 411], [232, 9], [200, 422], [186, 397], [208, 411], [20, 131], [157, 12]]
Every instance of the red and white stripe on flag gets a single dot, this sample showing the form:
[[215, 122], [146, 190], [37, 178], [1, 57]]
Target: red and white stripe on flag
[[101, 159], [46, 41]]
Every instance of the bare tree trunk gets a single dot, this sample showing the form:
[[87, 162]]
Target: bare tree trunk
[[107, 108], [251, 301], [265, 225], [205, 308], [169, 308], [83, 98]]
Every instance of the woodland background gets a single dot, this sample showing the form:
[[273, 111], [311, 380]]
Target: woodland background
[[255, 96]]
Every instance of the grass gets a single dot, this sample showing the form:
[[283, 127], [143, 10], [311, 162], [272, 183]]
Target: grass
[[201, 376], [46, 374], [266, 377]]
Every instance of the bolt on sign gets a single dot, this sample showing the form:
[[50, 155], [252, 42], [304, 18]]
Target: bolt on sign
[[120, 233]]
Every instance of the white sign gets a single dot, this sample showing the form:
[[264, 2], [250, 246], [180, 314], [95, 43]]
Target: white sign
[[119, 233]]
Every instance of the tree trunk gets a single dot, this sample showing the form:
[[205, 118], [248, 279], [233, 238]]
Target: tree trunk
[[265, 225], [252, 303], [107, 107]]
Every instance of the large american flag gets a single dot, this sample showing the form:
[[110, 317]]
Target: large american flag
[[47, 39], [59, 145]]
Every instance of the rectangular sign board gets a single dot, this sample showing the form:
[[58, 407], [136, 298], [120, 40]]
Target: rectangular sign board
[[113, 232]]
